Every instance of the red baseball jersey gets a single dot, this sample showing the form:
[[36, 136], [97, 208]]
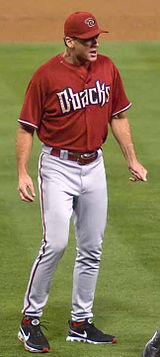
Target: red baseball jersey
[[70, 106]]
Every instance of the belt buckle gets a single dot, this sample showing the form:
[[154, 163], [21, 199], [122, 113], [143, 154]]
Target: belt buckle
[[87, 155], [85, 158]]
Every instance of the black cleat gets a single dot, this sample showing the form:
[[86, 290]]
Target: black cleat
[[87, 332], [152, 348], [30, 333]]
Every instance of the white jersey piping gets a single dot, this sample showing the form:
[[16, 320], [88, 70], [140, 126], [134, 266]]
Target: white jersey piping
[[122, 110], [26, 122]]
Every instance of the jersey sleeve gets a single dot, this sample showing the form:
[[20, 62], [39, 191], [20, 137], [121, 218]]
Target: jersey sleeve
[[31, 112], [120, 102]]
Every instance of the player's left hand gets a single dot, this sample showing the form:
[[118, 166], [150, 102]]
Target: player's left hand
[[139, 173]]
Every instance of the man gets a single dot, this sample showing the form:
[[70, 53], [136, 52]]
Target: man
[[152, 348], [69, 101]]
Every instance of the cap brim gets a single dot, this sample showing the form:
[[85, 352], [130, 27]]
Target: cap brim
[[90, 34]]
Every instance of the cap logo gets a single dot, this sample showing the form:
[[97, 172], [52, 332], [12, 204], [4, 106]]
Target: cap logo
[[90, 22]]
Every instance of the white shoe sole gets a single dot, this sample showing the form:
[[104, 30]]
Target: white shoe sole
[[79, 339]]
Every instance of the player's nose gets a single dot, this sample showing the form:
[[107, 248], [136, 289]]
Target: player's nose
[[95, 42]]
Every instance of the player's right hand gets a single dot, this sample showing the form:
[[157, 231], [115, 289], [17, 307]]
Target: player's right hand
[[26, 188]]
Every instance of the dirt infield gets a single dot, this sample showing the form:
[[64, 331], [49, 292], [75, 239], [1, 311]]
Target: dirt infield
[[42, 21]]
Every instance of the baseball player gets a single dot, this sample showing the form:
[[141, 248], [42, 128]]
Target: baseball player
[[70, 101], [152, 348]]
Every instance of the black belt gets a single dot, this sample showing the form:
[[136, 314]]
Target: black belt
[[82, 159]]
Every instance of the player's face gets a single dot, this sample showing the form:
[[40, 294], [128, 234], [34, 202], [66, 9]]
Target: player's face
[[86, 50]]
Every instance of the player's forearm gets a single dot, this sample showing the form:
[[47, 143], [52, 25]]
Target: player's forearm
[[23, 149], [121, 131]]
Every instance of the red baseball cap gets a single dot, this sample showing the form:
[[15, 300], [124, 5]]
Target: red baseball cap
[[82, 25]]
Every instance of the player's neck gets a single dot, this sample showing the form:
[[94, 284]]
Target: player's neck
[[70, 58]]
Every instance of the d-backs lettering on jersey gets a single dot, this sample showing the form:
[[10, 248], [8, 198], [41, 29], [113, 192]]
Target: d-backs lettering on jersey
[[90, 96]]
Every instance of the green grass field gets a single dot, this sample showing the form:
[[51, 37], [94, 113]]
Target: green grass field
[[127, 301]]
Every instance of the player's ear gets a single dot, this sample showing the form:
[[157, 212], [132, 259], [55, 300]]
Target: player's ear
[[69, 42]]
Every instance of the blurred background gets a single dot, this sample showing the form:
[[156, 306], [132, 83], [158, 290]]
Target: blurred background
[[43, 21]]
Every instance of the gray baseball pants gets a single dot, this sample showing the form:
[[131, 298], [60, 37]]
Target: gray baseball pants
[[69, 189]]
